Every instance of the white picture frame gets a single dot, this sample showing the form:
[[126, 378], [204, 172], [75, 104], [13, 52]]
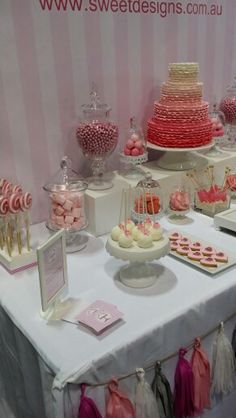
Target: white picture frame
[[52, 267]]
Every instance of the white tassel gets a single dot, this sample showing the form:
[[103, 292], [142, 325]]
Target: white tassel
[[145, 401], [223, 364]]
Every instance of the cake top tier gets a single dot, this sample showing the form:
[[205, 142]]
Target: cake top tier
[[183, 72]]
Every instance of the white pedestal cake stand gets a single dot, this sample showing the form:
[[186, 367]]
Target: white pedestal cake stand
[[134, 171], [139, 273], [178, 159]]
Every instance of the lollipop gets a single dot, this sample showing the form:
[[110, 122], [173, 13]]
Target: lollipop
[[6, 188], [17, 189], [25, 201], [4, 206], [14, 203]]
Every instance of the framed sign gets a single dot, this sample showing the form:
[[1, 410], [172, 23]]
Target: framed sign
[[52, 270]]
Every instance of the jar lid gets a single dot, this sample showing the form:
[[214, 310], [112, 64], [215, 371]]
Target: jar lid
[[95, 105], [66, 179], [148, 182]]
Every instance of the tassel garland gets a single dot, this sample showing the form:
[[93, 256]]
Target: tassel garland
[[145, 402], [162, 391]]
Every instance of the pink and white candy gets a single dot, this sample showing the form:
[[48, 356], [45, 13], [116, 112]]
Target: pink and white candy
[[17, 189], [4, 205], [6, 188], [25, 201], [14, 203]]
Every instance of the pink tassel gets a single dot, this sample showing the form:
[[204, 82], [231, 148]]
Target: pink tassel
[[87, 408], [201, 378], [118, 404], [183, 396]]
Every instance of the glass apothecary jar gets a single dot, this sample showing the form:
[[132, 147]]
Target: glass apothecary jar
[[97, 137], [148, 200], [228, 107], [67, 205], [134, 152]]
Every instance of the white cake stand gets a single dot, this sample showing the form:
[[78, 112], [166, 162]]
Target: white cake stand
[[178, 159], [139, 273]]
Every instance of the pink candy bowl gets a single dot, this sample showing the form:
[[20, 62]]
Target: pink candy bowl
[[97, 137], [212, 200]]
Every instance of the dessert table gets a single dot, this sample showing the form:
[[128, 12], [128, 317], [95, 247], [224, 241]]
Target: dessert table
[[42, 364]]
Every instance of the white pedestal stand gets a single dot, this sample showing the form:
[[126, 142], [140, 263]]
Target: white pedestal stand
[[178, 159], [139, 273], [178, 217], [134, 170]]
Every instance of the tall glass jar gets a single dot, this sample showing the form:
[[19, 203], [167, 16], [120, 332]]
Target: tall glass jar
[[97, 137], [228, 107], [67, 205]]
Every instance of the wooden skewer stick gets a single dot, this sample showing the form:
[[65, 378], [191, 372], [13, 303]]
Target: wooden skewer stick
[[227, 171], [121, 206], [208, 175], [7, 238], [125, 220], [27, 231], [152, 204], [190, 176], [18, 235]]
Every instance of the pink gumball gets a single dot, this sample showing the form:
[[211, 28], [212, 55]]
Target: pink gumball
[[130, 144], [138, 144], [127, 151], [135, 152]]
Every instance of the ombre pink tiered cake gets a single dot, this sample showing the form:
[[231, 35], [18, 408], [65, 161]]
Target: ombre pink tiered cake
[[181, 118]]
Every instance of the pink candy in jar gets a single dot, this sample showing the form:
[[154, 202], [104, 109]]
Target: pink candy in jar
[[96, 134], [179, 200], [97, 138], [66, 200], [134, 145]]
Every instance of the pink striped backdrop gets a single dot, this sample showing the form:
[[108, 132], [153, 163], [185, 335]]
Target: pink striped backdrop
[[49, 60]]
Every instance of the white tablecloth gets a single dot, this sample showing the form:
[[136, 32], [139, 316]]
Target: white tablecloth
[[183, 304]]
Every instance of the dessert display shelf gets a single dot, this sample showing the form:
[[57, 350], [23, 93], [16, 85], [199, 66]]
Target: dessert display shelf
[[178, 159], [140, 272]]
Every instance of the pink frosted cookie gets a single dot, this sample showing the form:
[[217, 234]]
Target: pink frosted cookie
[[208, 251], [195, 255], [175, 236], [221, 257], [174, 245], [195, 246], [184, 241], [182, 250], [208, 262]]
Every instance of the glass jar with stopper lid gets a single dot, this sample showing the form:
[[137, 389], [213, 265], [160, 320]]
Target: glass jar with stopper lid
[[228, 107], [148, 200], [66, 205], [134, 152], [218, 131], [97, 137]]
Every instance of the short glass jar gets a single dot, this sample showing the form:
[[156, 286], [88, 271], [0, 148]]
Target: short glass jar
[[67, 204]]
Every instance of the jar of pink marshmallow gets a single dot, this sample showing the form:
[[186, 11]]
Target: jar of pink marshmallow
[[67, 205]]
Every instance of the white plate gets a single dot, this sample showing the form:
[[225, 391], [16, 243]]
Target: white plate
[[209, 270], [226, 219]]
